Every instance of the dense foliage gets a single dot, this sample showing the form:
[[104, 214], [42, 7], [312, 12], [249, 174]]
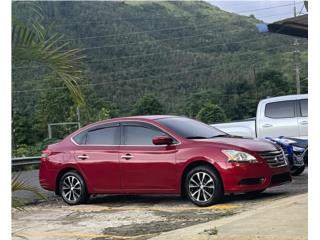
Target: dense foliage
[[183, 54], [211, 113]]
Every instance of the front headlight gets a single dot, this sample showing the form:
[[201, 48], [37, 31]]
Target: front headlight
[[240, 157]]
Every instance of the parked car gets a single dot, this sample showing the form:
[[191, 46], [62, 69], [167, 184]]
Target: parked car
[[159, 155], [278, 116]]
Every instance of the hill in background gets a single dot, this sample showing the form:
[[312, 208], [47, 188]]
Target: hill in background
[[183, 53]]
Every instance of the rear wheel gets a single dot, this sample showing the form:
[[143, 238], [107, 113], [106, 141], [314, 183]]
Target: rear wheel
[[203, 186], [73, 189]]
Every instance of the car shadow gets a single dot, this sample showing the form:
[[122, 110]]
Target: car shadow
[[174, 200]]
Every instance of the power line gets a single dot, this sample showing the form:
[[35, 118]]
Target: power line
[[157, 18], [151, 54], [148, 31], [160, 40], [137, 70], [133, 79]]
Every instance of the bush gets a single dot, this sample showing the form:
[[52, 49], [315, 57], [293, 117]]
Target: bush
[[147, 105], [211, 113]]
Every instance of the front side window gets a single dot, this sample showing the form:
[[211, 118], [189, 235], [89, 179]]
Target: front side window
[[283, 109], [103, 136], [304, 107], [140, 135], [190, 129]]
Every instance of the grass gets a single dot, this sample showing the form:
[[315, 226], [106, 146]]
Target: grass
[[211, 231]]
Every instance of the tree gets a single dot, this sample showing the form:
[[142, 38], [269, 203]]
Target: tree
[[32, 45], [211, 113], [147, 105], [200, 99], [272, 83]]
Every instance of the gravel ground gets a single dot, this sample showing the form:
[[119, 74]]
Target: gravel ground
[[131, 217]]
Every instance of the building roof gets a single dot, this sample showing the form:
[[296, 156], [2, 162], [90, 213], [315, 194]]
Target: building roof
[[296, 26]]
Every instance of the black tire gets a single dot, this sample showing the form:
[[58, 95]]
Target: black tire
[[305, 158], [209, 191], [297, 171], [77, 192]]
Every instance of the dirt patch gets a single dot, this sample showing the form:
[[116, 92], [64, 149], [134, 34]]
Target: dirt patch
[[173, 221]]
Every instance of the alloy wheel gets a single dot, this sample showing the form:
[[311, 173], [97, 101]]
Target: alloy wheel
[[71, 189], [201, 187]]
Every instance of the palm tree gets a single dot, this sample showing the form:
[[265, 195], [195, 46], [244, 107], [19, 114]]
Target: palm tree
[[20, 185], [32, 44]]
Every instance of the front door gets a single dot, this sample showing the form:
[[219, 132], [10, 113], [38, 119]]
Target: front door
[[146, 167], [98, 158], [278, 119]]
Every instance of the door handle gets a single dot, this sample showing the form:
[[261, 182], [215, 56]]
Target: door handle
[[83, 157], [127, 156], [304, 123], [266, 125]]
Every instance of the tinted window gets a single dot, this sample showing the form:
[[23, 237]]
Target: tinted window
[[304, 107], [189, 128], [104, 136], [284, 109], [80, 138], [140, 135]]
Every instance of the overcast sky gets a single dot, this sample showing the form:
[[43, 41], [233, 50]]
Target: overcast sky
[[277, 9]]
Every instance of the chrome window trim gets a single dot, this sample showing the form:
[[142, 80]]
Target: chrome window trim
[[117, 145]]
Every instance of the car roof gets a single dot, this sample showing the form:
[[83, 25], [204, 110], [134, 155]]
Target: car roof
[[130, 118], [151, 117], [284, 98]]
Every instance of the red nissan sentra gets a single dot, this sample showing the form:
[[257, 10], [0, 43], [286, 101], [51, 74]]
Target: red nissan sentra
[[159, 155]]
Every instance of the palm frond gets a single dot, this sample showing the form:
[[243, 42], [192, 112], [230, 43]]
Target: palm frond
[[19, 185], [32, 45]]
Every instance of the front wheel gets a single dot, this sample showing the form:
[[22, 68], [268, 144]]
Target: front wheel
[[297, 171], [73, 189], [203, 186]]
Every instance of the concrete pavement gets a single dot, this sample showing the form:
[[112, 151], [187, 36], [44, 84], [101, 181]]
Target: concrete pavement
[[281, 219]]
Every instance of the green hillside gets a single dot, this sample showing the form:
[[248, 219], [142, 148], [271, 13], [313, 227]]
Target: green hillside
[[183, 53]]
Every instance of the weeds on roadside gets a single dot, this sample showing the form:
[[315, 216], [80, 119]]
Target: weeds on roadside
[[211, 231], [20, 185]]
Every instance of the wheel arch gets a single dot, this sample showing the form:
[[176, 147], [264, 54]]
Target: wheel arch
[[194, 164], [62, 172]]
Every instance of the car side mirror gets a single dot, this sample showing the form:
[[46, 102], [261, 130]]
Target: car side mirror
[[162, 140]]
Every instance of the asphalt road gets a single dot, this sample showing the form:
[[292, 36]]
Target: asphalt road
[[131, 217]]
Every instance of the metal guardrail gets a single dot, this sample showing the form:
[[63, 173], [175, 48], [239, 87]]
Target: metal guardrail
[[23, 161]]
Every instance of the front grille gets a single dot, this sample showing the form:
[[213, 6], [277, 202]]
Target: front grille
[[274, 158]]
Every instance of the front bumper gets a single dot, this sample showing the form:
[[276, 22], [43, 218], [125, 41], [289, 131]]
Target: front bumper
[[246, 177]]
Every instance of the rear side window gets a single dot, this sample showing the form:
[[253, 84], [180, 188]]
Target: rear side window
[[80, 138], [104, 136], [284, 109], [304, 107], [140, 135]]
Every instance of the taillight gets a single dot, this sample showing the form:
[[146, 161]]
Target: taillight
[[45, 154]]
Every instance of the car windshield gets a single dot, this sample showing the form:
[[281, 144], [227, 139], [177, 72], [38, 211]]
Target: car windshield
[[190, 129]]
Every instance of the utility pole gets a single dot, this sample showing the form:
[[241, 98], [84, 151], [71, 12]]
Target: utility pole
[[297, 65], [255, 81], [296, 53], [78, 116]]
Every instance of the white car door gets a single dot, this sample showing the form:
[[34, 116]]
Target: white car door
[[303, 117], [278, 119]]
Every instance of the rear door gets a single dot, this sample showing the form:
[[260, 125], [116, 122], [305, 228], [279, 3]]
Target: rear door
[[97, 155], [145, 167], [278, 119], [303, 117]]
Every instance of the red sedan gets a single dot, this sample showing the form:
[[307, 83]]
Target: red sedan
[[159, 155]]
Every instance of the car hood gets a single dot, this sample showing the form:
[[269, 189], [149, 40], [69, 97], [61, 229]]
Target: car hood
[[251, 144]]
